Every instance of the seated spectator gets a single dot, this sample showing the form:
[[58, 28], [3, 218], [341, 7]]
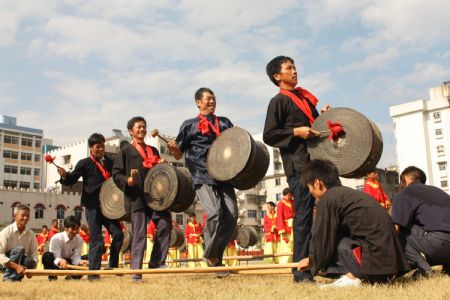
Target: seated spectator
[[65, 248], [18, 246], [421, 214], [353, 236]]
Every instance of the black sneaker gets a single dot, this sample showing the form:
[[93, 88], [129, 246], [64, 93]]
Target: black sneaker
[[93, 278], [421, 274], [303, 277], [52, 278]]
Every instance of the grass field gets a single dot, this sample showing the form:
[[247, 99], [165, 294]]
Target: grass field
[[207, 286]]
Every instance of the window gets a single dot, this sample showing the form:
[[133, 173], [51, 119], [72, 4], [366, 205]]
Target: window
[[60, 211], [438, 133], [25, 171], [66, 159], [39, 211], [27, 142], [77, 212], [24, 185], [437, 116], [440, 150], [277, 181], [10, 154], [36, 186], [37, 158], [442, 166], [251, 213], [444, 184], [25, 156], [10, 169], [37, 143], [37, 172], [179, 219], [8, 139], [278, 196], [277, 166], [11, 183]]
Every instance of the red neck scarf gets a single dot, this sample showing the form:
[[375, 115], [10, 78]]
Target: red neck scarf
[[301, 102], [105, 173], [204, 125], [149, 158]]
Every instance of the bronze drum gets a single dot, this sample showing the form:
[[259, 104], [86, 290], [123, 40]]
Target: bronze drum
[[176, 238], [169, 187], [247, 236], [236, 158], [111, 200], [356, 151], [127, 237]]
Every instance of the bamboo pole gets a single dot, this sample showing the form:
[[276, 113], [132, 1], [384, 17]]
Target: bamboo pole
[[68, 272], [238, 257]]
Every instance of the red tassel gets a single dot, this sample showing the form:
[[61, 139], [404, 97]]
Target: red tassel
[[336, 129]]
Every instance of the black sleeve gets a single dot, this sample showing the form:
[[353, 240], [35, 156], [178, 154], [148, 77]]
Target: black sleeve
[[403, 210], [182, 139], [324, 235], [119, 171], [72, 177], [275, 133]]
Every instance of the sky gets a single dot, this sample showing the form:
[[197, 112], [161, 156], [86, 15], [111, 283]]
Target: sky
[[76, 67]]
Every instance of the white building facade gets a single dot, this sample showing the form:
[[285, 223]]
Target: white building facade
[[422, 132]]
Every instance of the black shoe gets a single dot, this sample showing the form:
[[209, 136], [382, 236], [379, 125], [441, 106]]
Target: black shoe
[[303, 277], [94, 278], [52, 278], [421, 274], [446, 269]]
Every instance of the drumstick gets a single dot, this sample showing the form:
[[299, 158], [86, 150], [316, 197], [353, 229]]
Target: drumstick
[[155, 133]]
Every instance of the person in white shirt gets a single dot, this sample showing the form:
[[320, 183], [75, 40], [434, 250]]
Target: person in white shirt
[[18, 246], [65, 248]]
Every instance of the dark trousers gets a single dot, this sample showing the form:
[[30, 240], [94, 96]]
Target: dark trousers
[[48, 261], [303, 217], [344, 261], [95, 221], [139, 223], [220, 205], [163, 222], [434, 245], [17, 255]]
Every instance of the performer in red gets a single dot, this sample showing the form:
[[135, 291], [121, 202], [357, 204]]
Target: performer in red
[[194, 240], [373, 187], [272, 238], [151, 234], [230, 250], [84, 234], [54, 230], [285, 218], [42, 238]]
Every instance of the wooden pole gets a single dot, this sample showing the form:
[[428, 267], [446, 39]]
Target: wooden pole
[[238, 257], [68, 272]]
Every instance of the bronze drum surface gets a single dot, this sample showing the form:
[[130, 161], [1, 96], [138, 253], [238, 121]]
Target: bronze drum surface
[[168, 187], [127, 237], [176, 238], [247, 236], [236, 158], [356, 151], [111, 200]]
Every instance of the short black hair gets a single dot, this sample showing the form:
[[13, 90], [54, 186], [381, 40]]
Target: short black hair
[[286, 191], [71, 222], [415, 173], [271, 203], [44, 226], [324, 170], [199, 93], [134, 120], [96, 138], [192, 214], [274, 67]]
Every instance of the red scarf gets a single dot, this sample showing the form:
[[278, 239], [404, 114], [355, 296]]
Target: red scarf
[[204, 124], [149, 159], [302, 103], [105, 173]]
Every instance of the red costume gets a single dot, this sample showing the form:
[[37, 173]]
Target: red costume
[[151, 230], [41, 240], [270, 228], [375, 190], [52, 232], [193, 231], [285, 215], [84, 235]]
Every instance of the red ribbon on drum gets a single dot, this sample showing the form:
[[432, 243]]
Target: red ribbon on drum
[[336, 130]]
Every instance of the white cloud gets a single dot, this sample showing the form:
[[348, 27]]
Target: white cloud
[[8, 28], [373, 61]]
